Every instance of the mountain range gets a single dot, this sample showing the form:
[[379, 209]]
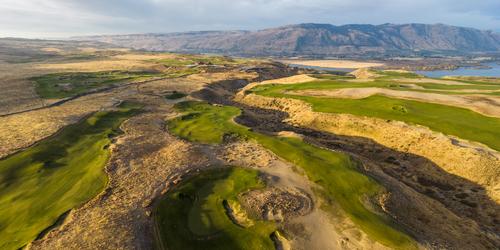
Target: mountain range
[[319, 40]]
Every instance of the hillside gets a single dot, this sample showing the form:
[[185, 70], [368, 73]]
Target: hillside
[[319, 40]]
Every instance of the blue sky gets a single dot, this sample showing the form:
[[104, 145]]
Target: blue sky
[[61, 18]]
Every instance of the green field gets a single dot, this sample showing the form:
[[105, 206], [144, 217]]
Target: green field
[[449, 120], [192, 216], [336, 173], [62, 85], [43, 182]]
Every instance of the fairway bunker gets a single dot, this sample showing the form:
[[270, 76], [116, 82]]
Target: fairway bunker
[[278, 205]]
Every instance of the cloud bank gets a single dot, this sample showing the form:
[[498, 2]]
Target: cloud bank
[[60, 18]]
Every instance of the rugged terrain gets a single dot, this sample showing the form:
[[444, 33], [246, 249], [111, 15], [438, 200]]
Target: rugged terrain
[[211, 152], [321, 40]]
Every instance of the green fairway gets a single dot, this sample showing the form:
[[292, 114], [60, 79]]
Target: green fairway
[[193, 216], [336, 173], [449, 120], [340, 82], [62, 85], [41, 183]]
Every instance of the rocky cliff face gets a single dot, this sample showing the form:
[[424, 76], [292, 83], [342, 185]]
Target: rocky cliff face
[[320, 40]]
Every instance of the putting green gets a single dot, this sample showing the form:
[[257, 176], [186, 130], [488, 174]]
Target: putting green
[[336, 173], [41, 183], [193, 216]]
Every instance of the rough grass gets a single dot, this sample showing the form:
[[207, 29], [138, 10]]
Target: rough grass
[[62, 85], [339, 177], [192, 216], [44, 181], [449, 120]]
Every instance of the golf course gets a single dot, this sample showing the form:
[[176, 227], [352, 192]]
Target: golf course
[[450, 120], [42, 182], [193, 215], [336, 173]]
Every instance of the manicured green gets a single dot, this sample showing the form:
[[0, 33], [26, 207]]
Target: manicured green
[[204, 123], [192, 216], [41, 183], [62, 85], [449, 120], [341, 181]]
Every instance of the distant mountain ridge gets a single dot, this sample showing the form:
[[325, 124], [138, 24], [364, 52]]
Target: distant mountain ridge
[[319, 40]]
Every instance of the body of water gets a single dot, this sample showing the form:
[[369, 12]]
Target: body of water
[[494, 71]]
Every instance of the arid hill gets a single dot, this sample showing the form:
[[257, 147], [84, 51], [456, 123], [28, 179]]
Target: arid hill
[[320, 40]]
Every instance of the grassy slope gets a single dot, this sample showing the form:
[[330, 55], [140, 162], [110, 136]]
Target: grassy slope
[[334, 172], [449, 120], [44, 181], [192, 216]]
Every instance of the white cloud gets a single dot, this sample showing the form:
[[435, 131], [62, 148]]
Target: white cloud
[[73, 17]]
